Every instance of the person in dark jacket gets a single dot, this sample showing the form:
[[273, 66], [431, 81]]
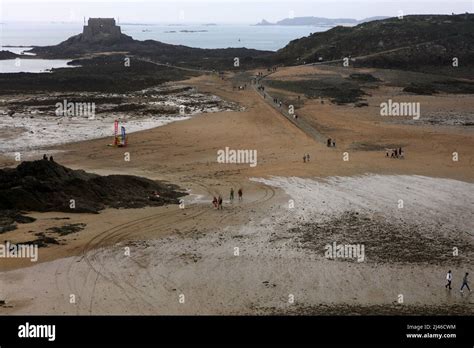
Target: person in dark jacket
[[465, 283]]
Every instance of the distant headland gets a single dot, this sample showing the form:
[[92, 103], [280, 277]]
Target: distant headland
[[319, 21]]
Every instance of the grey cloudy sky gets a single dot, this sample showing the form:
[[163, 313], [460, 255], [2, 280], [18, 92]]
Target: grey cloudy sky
[[218, 11]]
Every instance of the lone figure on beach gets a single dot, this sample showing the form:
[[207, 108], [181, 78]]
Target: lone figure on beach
[[231, 194], [449, 278], [400, 153], [240, 194], [464, 283]]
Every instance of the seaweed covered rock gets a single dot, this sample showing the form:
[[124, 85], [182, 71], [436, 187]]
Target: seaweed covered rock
[[48, 186]]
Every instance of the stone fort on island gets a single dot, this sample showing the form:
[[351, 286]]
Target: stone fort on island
[[100, 29]]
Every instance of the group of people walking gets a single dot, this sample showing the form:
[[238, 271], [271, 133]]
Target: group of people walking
[[449, 278], [239, 193], [45, 158], [278, 102], [217, 201]]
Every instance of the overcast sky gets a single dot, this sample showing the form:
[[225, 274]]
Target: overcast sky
[[218, 11]]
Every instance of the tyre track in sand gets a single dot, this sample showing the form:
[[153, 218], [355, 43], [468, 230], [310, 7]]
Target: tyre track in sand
[[112, 236], [98, 269], [123, 232]]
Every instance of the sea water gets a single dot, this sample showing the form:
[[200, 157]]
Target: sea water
[[23, 35], [269, 38], [32, 65]]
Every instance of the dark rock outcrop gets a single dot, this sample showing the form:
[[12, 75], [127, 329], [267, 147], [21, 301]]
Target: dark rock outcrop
[[47, 186], [8, 55], [9, 219]]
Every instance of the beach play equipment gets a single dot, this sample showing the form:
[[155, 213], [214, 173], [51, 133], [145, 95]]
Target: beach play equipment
[[120, 140]]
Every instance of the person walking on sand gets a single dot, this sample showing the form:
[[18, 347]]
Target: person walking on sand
[[219, 203], [240, 194], [304, 158], [449, 278], [307, 157], [465, 283], [231, 194], [214, 202]]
